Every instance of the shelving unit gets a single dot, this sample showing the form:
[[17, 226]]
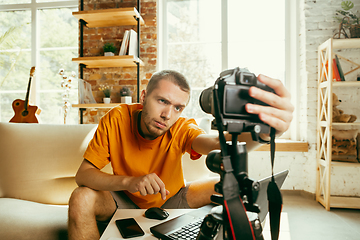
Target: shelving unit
[[108, 18], [325, 125]]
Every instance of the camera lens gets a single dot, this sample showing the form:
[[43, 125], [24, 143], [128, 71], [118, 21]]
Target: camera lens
[[214, 161], [206, 100]]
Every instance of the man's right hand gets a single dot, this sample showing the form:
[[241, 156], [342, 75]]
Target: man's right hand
[[90, 176], [148, 184]]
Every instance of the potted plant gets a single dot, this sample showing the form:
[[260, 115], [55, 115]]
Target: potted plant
[[109, 49], [348, 19], [125, 94], [107, 92]]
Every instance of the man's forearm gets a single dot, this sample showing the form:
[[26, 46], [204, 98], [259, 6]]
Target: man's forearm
[[92, 177]]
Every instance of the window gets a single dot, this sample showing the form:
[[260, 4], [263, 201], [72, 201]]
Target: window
[[192, 44], [200, 38], [44, 34]]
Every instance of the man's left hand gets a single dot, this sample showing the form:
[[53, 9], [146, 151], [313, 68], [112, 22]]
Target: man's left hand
[[279, 114]]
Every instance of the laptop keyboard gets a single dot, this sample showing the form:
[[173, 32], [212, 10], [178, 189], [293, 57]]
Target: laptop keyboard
[[187, 232]]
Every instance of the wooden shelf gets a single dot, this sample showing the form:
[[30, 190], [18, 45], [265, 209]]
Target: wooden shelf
[[95, 105], [347, 84], [339, 164], [324, 124], [109, 17], [108, 61], [286, 146], [340, 84], [341, 202], [346, 43], [325, 164], [344, 164], [346, 124], [341, 43], [344, 202]]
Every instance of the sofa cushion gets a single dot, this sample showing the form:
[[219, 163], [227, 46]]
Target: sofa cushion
[[38, 162], [28, 220]]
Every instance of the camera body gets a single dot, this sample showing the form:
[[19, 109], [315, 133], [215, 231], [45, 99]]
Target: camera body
[[231, 93]]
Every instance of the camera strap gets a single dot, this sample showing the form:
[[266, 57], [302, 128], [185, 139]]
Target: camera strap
[[234, 209], [274, 194]]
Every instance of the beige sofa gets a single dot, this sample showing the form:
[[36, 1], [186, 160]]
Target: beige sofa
[[38, 163]]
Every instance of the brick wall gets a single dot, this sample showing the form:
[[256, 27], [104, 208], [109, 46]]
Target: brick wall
[[94, 40]]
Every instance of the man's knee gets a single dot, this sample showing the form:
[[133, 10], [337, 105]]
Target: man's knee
[[85, 201], [82, 197], [82, 202], [200, 191]]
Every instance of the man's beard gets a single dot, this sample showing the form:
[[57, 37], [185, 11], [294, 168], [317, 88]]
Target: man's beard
[[153, 131]]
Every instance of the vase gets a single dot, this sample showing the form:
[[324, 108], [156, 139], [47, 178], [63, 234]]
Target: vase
[[109, 54], [106, 100], [126, 99]]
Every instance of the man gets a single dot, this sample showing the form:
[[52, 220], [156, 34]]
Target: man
[[145, 142]]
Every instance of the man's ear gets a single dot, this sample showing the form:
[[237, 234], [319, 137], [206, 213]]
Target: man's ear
[[142, 96]]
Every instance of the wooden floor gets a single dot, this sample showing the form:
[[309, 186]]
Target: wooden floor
[[304, 218], [284, 228]]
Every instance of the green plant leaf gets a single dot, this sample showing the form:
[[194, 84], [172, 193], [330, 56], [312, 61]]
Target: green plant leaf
[[349, 17], [109, 47], [347, 5]]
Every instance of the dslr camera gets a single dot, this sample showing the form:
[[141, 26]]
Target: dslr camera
[[229, 95]]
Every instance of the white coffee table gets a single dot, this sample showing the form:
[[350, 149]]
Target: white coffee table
[[112, 233]]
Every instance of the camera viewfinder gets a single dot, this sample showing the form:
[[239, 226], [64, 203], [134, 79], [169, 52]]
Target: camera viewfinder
[[246, 78]]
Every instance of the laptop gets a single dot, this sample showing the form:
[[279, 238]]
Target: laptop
[[192, 220]]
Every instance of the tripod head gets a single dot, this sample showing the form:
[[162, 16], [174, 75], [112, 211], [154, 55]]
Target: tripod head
[[248, 188]]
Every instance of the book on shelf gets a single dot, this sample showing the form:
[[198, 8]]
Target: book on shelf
[[85, 93], [341, 72], [133, 48], [124, 43], [335, 72], [336, 75]]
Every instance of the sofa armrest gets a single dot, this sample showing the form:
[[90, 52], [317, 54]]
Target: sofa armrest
[[38, 162]]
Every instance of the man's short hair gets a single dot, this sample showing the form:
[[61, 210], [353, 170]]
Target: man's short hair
[[170, 75]]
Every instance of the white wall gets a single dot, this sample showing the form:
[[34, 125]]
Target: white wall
[[317, 24]]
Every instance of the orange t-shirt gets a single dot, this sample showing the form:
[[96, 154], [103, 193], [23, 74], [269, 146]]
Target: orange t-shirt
[[117, 140]]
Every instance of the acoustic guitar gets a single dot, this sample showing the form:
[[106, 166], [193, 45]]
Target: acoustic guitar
[[25, 113]]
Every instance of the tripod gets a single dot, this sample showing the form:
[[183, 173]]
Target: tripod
[[237, 216], [235, 188]]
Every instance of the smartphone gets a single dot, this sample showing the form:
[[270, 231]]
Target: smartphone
[[129, 228]]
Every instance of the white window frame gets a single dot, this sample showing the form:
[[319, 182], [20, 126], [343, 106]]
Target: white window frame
[[35, 49], [292, 63], [291, 52]]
